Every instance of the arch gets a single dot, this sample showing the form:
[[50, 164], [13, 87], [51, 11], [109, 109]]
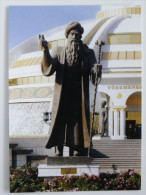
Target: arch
[[133, 116], [107, 97], [130, 99]]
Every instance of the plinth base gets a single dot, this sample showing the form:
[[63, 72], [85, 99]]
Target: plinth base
[[99, 137], [61, 166], [55, 171]]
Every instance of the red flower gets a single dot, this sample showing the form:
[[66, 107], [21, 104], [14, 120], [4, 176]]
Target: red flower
[[16, 189]]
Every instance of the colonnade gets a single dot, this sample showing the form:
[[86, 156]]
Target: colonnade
[[117, 122]]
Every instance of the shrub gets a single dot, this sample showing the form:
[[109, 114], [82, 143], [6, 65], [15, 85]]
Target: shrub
[[25, 179]]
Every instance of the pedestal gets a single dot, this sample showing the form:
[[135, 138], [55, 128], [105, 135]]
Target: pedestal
[[96, 137], [99, 137], [61, 166]]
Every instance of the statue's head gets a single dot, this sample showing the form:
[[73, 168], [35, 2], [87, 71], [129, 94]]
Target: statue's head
[[74, 29], [73, 33], [103, 103]]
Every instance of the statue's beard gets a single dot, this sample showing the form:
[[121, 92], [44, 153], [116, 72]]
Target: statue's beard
[[73, 53]]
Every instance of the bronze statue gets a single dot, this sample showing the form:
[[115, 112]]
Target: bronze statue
[[102, 119], [73, 64]]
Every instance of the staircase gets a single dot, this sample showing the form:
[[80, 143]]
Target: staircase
[[122, 154], [20, 156]]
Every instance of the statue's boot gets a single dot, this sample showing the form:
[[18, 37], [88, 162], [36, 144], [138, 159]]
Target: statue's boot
[[83, 152], [71, 151], [60, 149], [78, 151], [77, 154]]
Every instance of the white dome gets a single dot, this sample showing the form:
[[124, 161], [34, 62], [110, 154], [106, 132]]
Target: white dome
[[120, 58]]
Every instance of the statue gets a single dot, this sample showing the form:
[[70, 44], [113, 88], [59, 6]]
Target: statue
[[102, 119], [73, 64]]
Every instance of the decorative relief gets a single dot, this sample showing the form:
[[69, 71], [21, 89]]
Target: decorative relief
[[43, 92], [31, 80], [27, 62], [121, 55], [124, 87], [119, 108], [14, 94], [119, 11], [27, 93], [32, 92], [119, 95], [127, 38], [27, 118]]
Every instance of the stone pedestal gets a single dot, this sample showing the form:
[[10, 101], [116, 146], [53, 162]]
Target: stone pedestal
[[99, 137], [96, 137], [61, 166]]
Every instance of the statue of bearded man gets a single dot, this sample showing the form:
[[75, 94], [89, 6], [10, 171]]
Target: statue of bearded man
[[73, 64]]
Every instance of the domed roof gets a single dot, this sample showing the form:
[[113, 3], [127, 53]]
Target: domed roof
[[119, 28]]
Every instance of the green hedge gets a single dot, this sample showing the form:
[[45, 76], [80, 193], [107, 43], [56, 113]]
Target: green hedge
[[25, 179]]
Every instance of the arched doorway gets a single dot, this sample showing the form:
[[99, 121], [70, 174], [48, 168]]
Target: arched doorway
[[133, 116]]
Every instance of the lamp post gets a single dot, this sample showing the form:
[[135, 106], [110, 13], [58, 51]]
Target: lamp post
[[47, 117]]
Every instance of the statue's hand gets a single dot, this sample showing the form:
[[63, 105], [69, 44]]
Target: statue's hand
[[97, 69], [43, 42]]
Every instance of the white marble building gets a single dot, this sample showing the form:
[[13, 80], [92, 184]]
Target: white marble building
[[30, 93]]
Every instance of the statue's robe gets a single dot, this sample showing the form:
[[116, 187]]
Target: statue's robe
[[57, 132], [102, 120]]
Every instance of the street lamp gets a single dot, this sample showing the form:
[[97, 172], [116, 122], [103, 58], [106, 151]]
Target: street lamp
[[47, 117]]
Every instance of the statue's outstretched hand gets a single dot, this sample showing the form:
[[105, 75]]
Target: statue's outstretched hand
[[43, 42], [97, 69]]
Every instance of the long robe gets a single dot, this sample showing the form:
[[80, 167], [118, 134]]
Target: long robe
[[102, 120], [56, 63]]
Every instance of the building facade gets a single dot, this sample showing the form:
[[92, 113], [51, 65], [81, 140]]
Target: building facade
[[30, 93]]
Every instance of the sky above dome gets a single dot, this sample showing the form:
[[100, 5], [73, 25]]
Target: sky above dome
[[27, 21]]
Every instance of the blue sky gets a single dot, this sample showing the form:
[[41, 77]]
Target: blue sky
[[27, 21]]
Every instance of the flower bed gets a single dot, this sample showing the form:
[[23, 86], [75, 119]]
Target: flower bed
[[25, 179]]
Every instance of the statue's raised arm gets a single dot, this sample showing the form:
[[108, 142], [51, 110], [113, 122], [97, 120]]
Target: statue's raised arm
[[48, 65], [43, 42]]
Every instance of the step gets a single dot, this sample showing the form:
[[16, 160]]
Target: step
[[120, 166], [117, 162], [105, 152], [16, 155], [21, 151], [128, 149], [124, 154], [32, 157], [107, 155], [105, 144], [118, 141], [116, 153], [117, 145], [125, 140], [13, 146], [114, 161], [119, 158]]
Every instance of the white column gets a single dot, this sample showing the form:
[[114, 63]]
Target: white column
[[116, 122], [122, 123], [110, 122]]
